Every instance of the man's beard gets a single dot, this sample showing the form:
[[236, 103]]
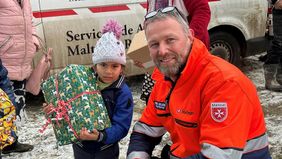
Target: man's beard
[[173, 69]]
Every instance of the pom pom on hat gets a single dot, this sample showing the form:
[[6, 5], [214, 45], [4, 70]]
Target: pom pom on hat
[[109, 48], [112, 26]]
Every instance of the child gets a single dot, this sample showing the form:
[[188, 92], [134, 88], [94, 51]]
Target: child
[[109, 62]]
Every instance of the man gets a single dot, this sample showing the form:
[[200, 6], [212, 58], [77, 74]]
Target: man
[[209, 107], [273, 63], [5, 85]]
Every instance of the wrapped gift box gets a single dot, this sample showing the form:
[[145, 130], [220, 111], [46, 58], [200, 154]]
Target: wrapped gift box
[[76, 101], [139, 51]]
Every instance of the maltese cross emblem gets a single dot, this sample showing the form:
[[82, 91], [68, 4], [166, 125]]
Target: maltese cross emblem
[[219, 111]]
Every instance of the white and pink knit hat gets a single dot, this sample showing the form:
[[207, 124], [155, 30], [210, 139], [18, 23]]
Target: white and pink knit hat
[[109, 48]]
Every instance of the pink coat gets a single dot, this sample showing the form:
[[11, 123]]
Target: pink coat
[[17, 40]]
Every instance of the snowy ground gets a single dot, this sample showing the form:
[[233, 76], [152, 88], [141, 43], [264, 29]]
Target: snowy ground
[[46, 148]]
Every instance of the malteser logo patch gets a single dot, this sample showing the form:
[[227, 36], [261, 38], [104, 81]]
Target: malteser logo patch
[[219, 111], [160, 105]]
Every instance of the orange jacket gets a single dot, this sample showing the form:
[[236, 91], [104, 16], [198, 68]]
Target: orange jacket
[[212, 103]]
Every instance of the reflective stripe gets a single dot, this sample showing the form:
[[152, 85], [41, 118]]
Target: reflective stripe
[[138, 155], [256, 144], [211, 151], [149, 130]]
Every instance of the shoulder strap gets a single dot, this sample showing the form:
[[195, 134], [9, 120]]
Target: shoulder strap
[[157, 4], [179, 4]]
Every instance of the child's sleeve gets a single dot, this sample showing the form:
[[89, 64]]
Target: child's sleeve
[[122, 117], [5, 83]]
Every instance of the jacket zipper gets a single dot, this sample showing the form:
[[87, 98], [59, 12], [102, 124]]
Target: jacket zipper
[[25, 42]]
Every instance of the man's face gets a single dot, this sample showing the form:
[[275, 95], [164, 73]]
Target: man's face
[[168, 44]]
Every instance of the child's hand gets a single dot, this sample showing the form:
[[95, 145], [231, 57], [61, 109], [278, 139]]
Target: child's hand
[[46, 108], [85, 135]]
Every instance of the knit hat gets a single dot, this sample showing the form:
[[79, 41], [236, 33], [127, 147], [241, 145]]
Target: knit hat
[[109, 48]]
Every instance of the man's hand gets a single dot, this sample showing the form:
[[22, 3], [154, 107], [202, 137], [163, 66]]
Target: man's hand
[[86, 135], [278, 4]]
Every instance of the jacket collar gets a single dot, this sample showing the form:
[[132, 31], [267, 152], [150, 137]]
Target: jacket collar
[[117, 84], [197, 54]]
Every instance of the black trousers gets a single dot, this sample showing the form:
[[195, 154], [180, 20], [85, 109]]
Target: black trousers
[[274, 54], [108, 153], [20, 94]]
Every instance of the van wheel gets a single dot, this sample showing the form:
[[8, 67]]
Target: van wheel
[[226, 46]]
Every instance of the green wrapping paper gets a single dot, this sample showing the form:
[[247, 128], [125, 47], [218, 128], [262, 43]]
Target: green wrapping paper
[[76, 101]]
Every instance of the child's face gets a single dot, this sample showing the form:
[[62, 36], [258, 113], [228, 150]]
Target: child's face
[[108, 72]]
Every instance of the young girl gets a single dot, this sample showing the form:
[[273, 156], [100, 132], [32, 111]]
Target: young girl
[[109, 62]]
